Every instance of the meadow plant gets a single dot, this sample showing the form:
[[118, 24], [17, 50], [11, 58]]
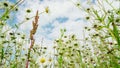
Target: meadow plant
[[14, 51], [100, 47], [102, 36]]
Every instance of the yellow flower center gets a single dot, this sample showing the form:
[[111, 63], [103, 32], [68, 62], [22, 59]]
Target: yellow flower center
[[42, 60]]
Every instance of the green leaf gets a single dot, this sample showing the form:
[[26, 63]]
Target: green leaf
[[60, 60], [5, 14], [16, 26], [2, 54], [116, 33], [14, 66], [110, 20], [97, 15]]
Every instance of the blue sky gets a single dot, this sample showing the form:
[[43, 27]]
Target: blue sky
[[63, 14]]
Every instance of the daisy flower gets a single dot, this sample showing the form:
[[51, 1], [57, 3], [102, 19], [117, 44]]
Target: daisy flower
[[42, 61]]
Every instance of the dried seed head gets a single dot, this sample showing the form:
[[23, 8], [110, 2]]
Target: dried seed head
[[14, 42], [28, 10], [72, 54], [11, 33], [27, 18], [70, 47], [13, 38], [45, 48], [71, 61], [117, 20], [61, 53], [88, 9], [23, 37], [57, 40], [54, 47], [87, 18], [89, 29], [78, 4], [44, 52], [2, 36], [95, 26], [16, 9], [111, 43], [86, 38], [3, 42], [47, 9], [118, 12], [75, 44], [109, 11], [85, 27], [65, 36], [5, 4], [18, 33], [96, 34], [73, 36], [7, 17]]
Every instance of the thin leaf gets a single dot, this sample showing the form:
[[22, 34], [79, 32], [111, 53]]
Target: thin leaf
[[116, 33]]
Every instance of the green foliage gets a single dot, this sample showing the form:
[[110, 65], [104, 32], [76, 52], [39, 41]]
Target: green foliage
[[98, 49]]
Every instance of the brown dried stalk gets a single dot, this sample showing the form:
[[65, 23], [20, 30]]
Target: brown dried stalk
[[32, 33]]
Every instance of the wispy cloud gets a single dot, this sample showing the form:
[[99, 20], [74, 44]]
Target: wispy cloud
[[63, 14]]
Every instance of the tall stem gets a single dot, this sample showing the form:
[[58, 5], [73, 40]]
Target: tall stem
[[32, 33]]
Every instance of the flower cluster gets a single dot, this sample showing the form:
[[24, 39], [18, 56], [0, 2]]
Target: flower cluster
[[100, 47]]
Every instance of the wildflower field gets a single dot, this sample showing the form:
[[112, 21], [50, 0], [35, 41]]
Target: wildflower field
[[59, 33]]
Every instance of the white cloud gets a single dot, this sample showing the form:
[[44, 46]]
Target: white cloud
[[58, 8], [72, 27]]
